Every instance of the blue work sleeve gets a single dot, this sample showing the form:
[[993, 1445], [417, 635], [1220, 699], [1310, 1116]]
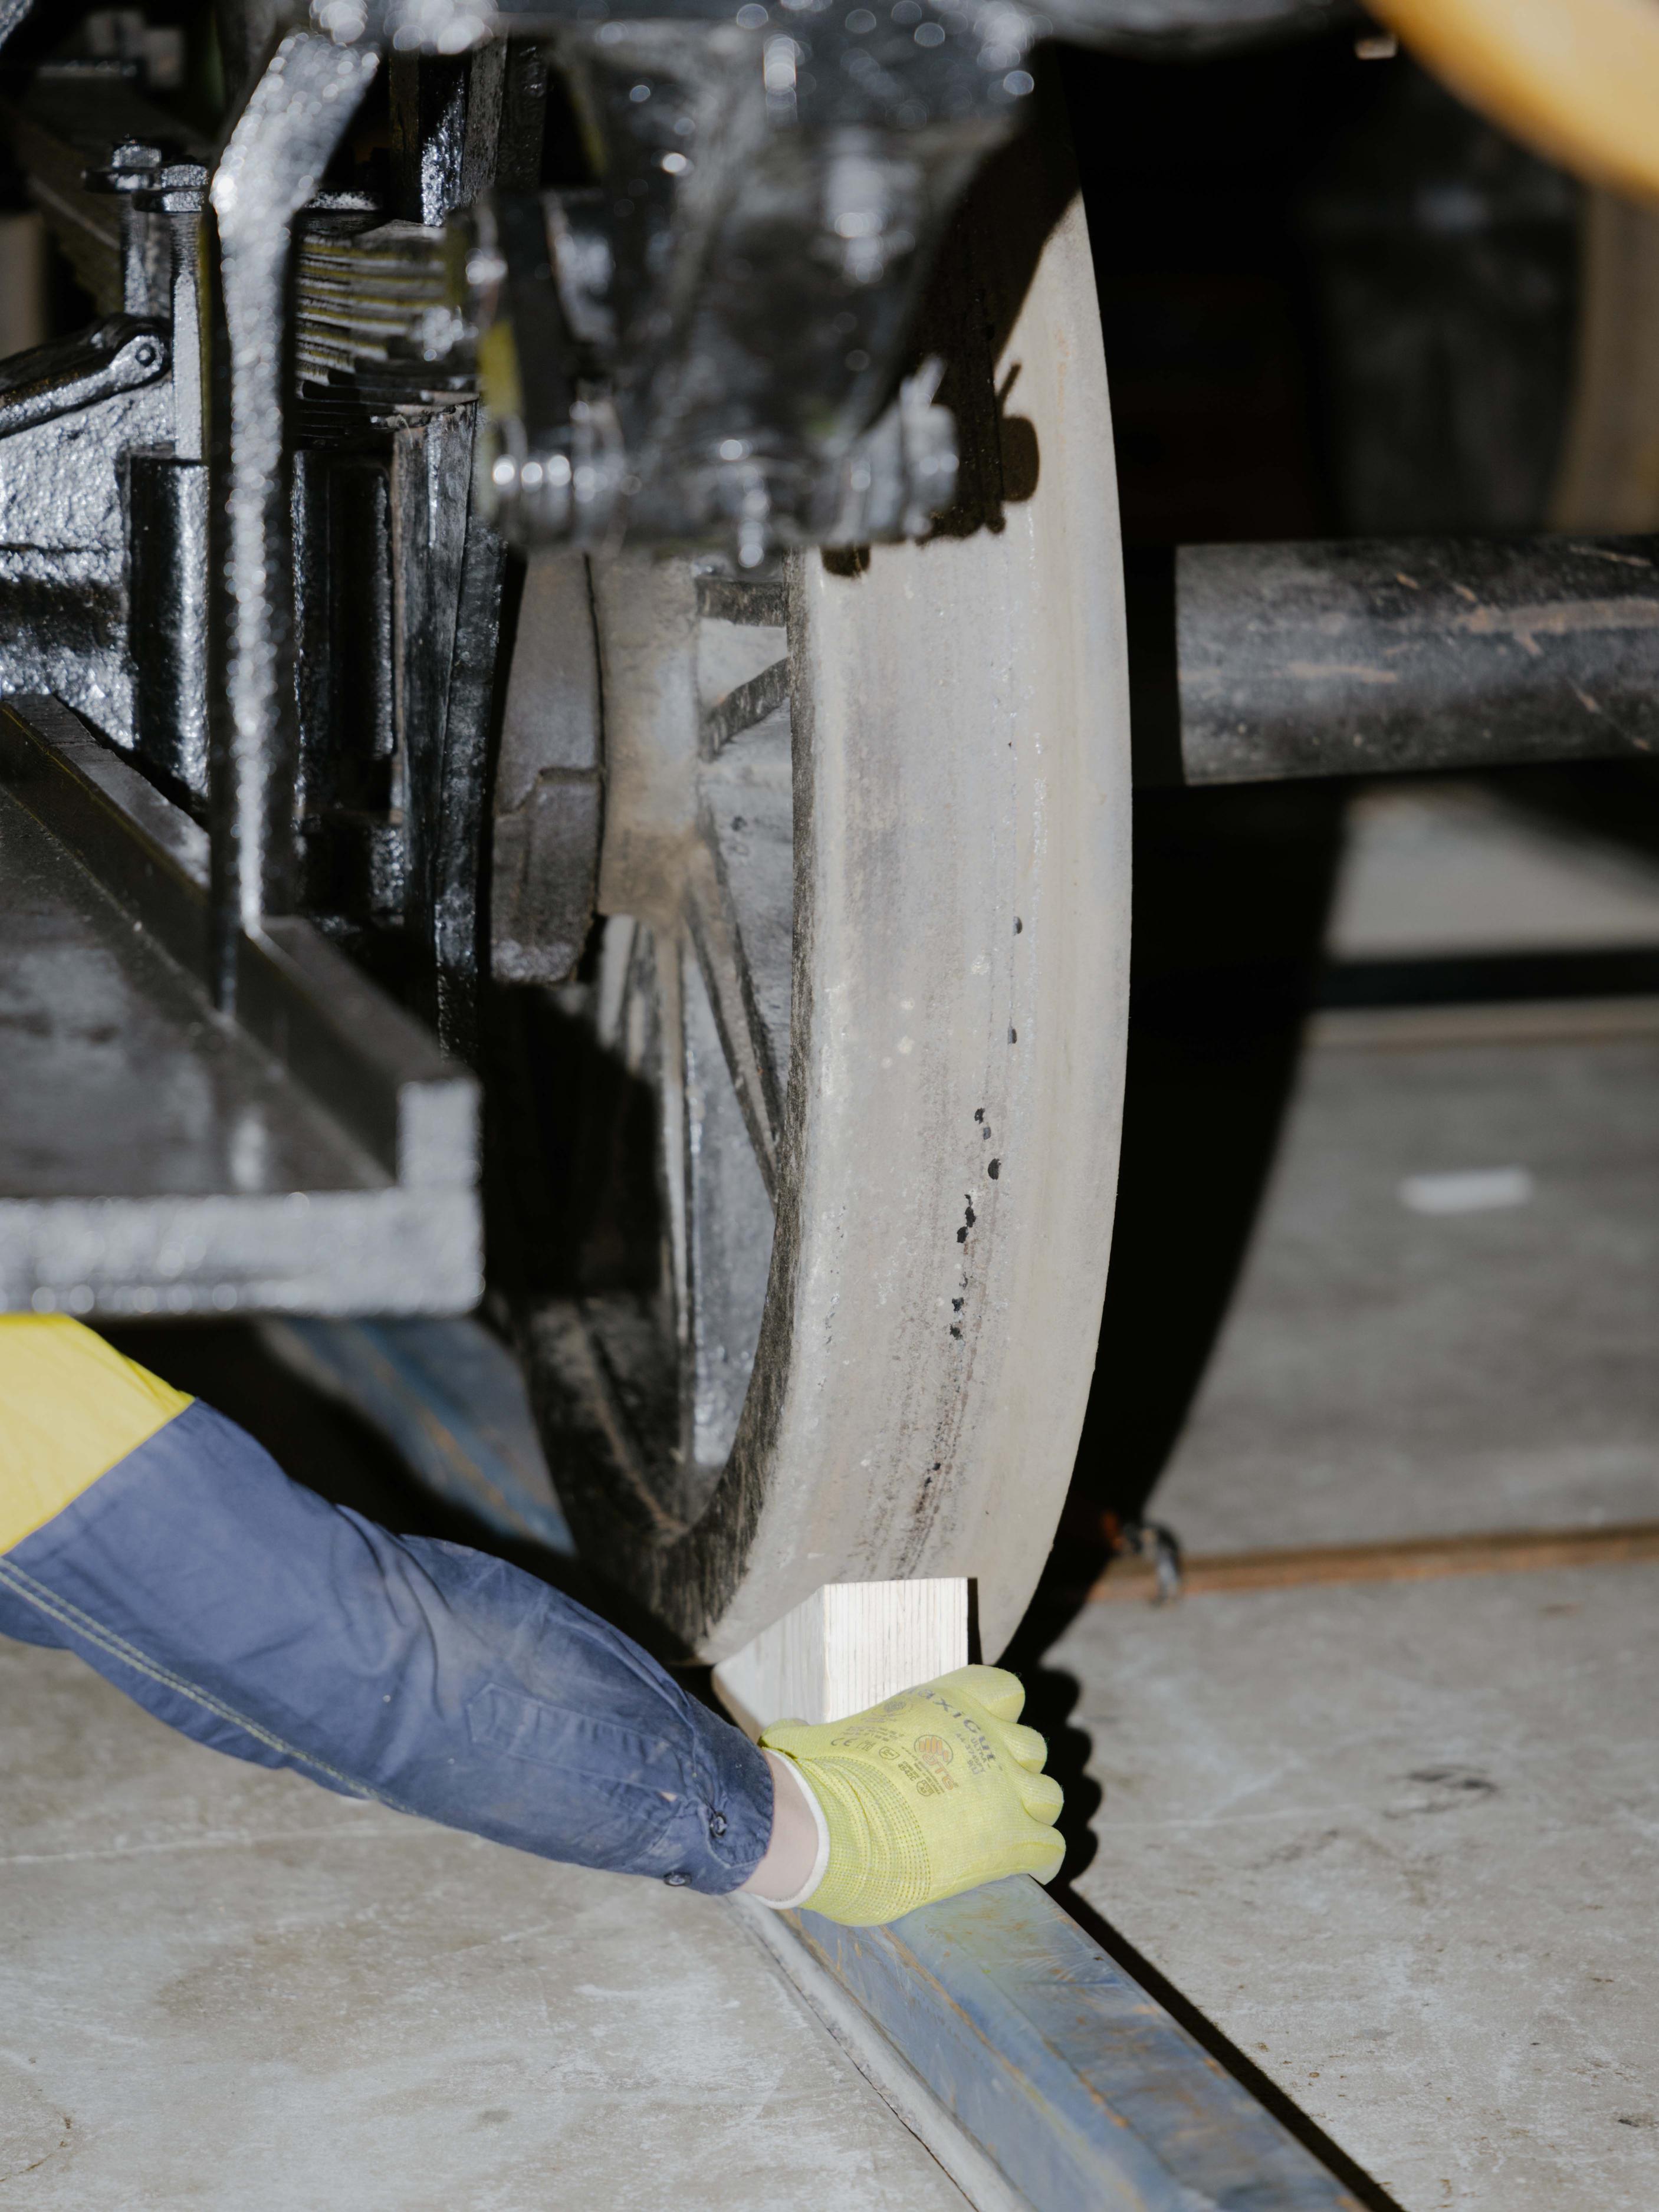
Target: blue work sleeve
[[253, 1616]]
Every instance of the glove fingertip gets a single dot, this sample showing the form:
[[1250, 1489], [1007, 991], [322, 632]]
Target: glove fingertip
[[1048, 1864], [1043, 1799], [1025, 1746], [1001, 1693]]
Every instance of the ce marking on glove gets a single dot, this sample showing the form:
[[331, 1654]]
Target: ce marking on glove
[[935, 1755]]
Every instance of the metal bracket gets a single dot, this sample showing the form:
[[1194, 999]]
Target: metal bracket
[[296, 116], [710, 345], [123, 354], [320, 1154]]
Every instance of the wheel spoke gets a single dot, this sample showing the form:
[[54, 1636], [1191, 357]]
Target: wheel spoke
[[736, 970], [714, 940], [745, 705], [728, 1235], [740, 884], [616, 1001], [748, 821], [665, 972]]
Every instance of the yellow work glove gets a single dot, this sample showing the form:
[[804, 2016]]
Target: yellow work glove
[[928, 1793]]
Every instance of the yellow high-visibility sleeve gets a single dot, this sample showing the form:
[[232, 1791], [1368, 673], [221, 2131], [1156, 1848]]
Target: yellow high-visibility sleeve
[[70, 1408]]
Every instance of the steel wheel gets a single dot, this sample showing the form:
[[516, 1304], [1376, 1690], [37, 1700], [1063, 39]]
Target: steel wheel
[[842, 1096]]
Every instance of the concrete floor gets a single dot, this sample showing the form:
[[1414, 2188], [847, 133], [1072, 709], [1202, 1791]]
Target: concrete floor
[[1384, 1372], [1400, 1844], [1444, 866], [225, 1988]]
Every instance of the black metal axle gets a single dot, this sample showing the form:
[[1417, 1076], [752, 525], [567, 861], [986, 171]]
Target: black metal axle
[[1251, 664]]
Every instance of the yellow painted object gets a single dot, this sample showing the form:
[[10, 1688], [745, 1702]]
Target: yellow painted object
[[70, 1408], [1577, 79], [928, 1794]]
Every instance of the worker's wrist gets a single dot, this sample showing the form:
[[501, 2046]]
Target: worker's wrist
[[798, 1853]]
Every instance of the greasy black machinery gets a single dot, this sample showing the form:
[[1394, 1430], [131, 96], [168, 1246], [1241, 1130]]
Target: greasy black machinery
[[413, 625], [587, 533]]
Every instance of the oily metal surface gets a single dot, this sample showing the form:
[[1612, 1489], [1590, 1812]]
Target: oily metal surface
[[115, 1081], [549, 790], [272, 163], [1073, 2079], [69, 413], [1379, 656], [318, 1155], [1175, 26]]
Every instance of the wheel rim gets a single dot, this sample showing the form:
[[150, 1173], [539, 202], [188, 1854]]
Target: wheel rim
[[866, 954]]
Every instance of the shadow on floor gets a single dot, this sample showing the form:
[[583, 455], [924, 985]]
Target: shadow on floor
[[1227, 2055], [1232, 891]]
